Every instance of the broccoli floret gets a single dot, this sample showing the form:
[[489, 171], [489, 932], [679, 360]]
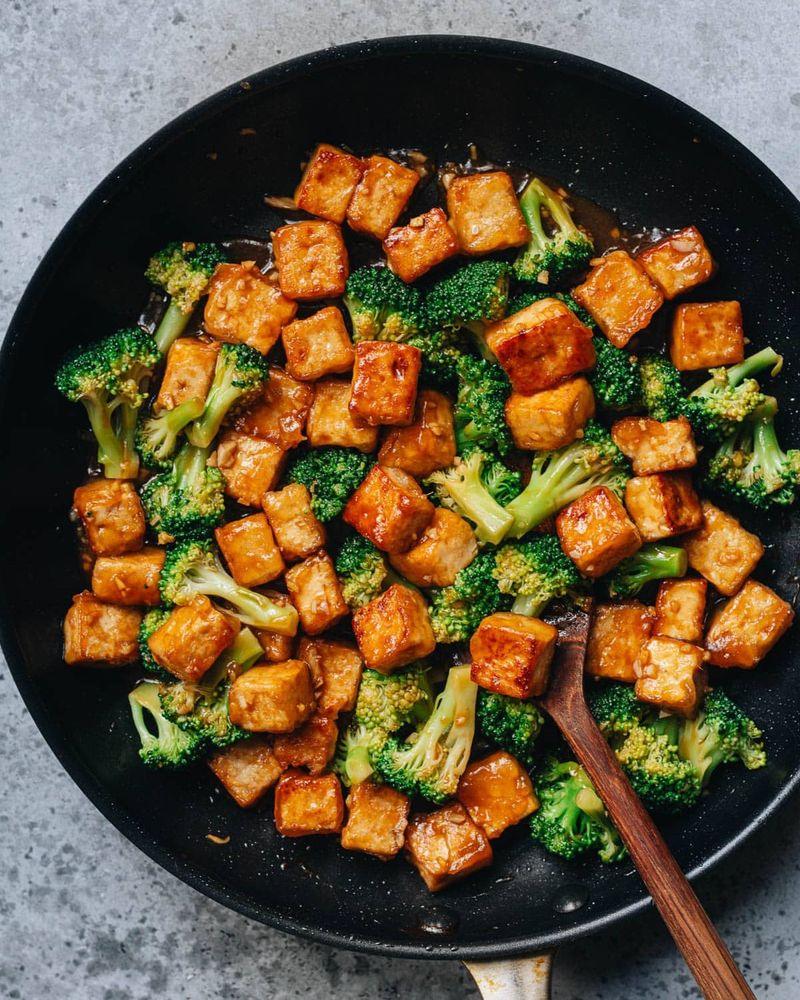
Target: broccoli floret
[[187, 500], [381, 306], [441, 353], [731, 394], [503, 484], [525, 299], [616, 709], [470, 298], [362, 571], [479, 417], [550, 254], [331, 475], [534, 573], [169, 746], [513, 724], [456, 611], [183, 271], [662, 389], [462, 488], [652, 562], [240, 375], [153, 620], [109, 378], [721, 734], [616, 377], [157, 435]]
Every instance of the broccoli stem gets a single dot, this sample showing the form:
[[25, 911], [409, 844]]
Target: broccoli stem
[[559, 481], [250, 607], [749, 368], [110, 453], [358, 765], [768, 459], [478, 331], [220, 399], [172, 324], [190, 465], [531, 207], [492, 520], [528, 605]]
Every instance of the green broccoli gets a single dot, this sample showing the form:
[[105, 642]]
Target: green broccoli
[[362, 571], [655, 561], [441, 352], [382, 306], [469, 299], [513, 724], [240, 375], [479, 416], [331, 475], [503, 484], [187, 500], [548, 255], [456, 611], [183, 271], [464, 489], [616, 378], [157, 435], [731, 394], [721, 734], [534, 573], [170, 746], [153, 620], [662, 389]]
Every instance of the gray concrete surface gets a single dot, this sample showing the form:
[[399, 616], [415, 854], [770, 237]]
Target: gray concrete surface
[[84, 915]]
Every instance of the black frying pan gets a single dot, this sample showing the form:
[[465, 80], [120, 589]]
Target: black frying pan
[[617, 141]]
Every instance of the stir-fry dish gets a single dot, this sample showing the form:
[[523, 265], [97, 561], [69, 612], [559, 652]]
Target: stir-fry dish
[[338, 487]]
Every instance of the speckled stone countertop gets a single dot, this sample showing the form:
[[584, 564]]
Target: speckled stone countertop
[[84, 915]]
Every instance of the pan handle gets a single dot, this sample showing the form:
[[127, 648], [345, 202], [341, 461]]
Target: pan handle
[[514, 978]]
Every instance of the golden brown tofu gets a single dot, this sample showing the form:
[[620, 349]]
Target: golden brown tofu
[[428, 444], [663, 505], [277, 647], [316, 593], [426, 241], [245, 307], [446, 845], [619, 295], [671, 676], [552, 418], [394, 629], [280, 415], [484, 213], [681, 609], [307, 804], [511, 654], [616, 636], [330, 421], [297, 531], [336, 668], [247, 770], [188, 374], [312, 260], [744, 629], [706, 335], [678, 262], [318, 345], [385, 376], [389, 509], [112, 516], [497, 793], [722, 550], [445, 547], [381, 195], [653, 446], [328, 182], [311, 746], [377, 817], [97, 634], [273, 698], [249, 548], [130, 578], [192, 638], [596, 532], [251, 466]]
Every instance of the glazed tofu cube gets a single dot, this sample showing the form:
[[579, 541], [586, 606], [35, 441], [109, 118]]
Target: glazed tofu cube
[[251, 466], [385, 376], [426, 241], [445, 547], [247, 770], [389, 509], [315, 591], [245, 306], [745, 628], [328, 182], [377, 817], [318, 345], [311, 259], [307, 804], [681, 609], [192, 638], [336, 668], [706, 335], [596, 532], [297, 531], [130, 578], [97, 634], [497, 793], [663, 505], [653, 446], [311, 746], [274, 698], [552, 418], [112, 516], [280, 415], [484, 212], [330, 421], [678, 262], [381, 195], [428, 444], [249, 548], [446, 845], [277, 647], [394, 629], [620, 296], [722, 550], [511, 654], [617, 634], [188, 373], [671, 676]]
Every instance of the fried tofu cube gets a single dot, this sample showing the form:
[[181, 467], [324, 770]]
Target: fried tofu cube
[[316, 593], [245, 306], [307, 804], [617, 634], [446, 845], [250, 551], [394, 629], [706, 335], [653, 446], [671, 675], [722, 550], [663, 505], [389, 509], [318, 345], [426, 241], [192, 638], [497, 793], [129, 579], [552, 418], [274, 698], [112, 516], [681, 609], [277, 647], [596, 532], [97, 634], [311, 259], [377, 817], [381, 195], [297, 530], [330, 421], [745, 628], [328, 182], [427, 444], [385, 376], [311, 746], [445, 547], [678, 262], [280, 415], [620, 296], [485, 214], [511, 654], [336, 668], [188, 373], [251, 466], [247, 770]]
